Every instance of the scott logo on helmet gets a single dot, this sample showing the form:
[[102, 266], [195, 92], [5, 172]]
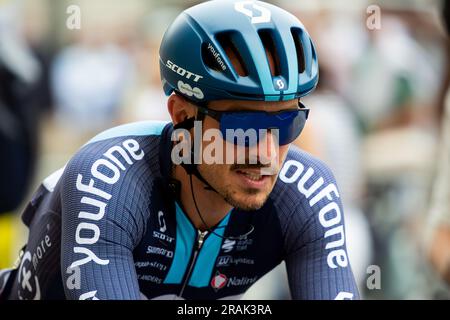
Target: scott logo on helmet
[[280, 84], [264, 13], [183, 72]]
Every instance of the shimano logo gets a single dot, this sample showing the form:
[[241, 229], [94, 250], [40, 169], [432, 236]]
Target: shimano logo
[[159, 251], [217, 56], [150, 264], [150, 278], [183, 72]]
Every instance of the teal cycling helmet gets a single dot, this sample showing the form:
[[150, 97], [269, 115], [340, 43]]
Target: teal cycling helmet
[[198, 49]]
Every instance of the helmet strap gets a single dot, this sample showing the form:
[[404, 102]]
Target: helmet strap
[[191, 168]]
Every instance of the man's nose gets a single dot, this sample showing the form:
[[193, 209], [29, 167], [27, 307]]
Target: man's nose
[[267, 148]]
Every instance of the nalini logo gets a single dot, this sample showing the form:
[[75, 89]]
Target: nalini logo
[[219, 281]]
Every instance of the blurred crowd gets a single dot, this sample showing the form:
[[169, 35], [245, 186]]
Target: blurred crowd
[[375, 116]]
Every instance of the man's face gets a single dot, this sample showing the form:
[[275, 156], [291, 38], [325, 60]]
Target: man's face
[[246, 186]]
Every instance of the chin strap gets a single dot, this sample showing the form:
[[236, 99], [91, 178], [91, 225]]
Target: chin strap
[[191, 168]]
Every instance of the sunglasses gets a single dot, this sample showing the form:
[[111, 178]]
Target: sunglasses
[[289, 124]]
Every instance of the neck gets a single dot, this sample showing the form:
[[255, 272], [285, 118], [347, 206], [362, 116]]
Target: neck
[[212, 206]]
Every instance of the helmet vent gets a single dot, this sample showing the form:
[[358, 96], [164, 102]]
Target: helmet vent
[[296, 35], [227, 44], [271, 51], [209, 59]]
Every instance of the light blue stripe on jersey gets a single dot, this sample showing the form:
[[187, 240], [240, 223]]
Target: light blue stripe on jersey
[[183, 248], [141, 128], [207, 257], [186, 236]]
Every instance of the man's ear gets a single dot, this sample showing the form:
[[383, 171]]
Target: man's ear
[[179, 109]]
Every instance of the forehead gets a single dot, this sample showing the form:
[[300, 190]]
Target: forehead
[[239, 105]]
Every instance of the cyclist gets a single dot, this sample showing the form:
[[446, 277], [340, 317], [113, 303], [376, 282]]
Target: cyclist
[[437, 234], [141, 211]]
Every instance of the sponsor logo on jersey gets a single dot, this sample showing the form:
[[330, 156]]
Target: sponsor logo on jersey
[[28, 282], [240, 245], [224, 261], [329, 211], [162, 222], [107, 170], [163, 237], [219, 281], [74, 279], [228, 245], [41, 249], [159, 251], [243, 244], [241, 281], [149, 278]]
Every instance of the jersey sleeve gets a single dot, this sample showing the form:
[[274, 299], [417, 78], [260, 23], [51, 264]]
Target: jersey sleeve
[[317, 261], [103, 219]]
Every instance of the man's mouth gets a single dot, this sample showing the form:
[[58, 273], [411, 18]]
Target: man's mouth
[[254, 178], [252, 175]]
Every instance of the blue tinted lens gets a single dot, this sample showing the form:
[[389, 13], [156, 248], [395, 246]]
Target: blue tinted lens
[[247, 128]]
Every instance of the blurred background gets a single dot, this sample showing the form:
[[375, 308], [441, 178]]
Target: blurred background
[[376, 116]]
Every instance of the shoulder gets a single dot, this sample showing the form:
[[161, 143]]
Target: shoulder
[[299, 163], [121, 146], [306, 199], [117, 160], [134, 129], [303, 183]]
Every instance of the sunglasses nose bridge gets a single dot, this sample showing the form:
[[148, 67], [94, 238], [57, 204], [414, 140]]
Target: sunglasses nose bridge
[[285, 126], [266, 149]]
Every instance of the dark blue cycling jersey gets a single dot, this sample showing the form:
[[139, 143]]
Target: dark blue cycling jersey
[[109, 226]]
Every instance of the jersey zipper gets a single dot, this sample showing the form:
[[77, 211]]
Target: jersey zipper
[[200, 240]]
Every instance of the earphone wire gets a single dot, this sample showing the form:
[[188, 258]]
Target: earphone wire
[[240, 237]]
